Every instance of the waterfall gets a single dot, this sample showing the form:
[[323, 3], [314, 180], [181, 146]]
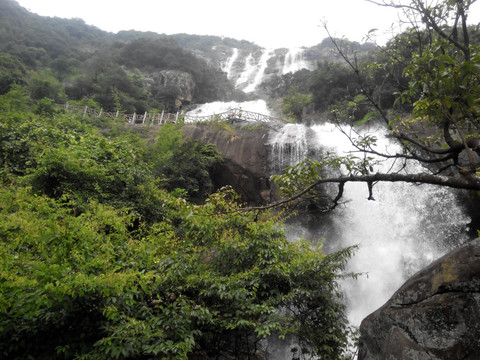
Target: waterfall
[[248, 70], [403, 230], [294, 61], [406, 228], [259, 71], [290, 146], [227, 67], [253, 72]]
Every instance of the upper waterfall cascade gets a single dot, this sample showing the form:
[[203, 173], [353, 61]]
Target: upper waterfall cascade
[[295, 61], [248, 69], [227, 67]]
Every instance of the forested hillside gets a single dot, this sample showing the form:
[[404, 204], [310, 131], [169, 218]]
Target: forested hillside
[[67, 59]]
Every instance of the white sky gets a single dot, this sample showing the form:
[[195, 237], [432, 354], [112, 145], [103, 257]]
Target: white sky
[[269, 23]]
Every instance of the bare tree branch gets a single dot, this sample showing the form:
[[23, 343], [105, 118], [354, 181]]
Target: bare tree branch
[[467, 183]]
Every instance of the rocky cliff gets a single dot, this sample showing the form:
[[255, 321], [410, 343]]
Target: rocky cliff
[[435, 315], [172, 86], [245, 152]]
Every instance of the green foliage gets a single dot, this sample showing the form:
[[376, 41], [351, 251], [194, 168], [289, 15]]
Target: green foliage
[[169, 138], [57, 57], [15, 102], [63, 277], [294, 103], [44, 85], [98, 262], [45, 107], [149, 53], [279, 86], [11, 72], [85, 285], [356, 111], [442, 76], [184, 165], [332, 83]]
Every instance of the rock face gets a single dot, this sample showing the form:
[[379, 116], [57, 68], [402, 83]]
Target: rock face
[[173, 87], [246, 159], [434, 315]]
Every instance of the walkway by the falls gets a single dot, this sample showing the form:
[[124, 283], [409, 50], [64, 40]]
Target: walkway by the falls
[[161, 118]]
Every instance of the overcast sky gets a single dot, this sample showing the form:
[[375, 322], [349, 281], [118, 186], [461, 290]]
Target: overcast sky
[[269, 23]]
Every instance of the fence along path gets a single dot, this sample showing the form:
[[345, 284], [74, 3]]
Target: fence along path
[[160, 118]]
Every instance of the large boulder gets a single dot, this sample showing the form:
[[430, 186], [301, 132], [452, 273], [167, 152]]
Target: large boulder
[[245, 155], [434, 315]]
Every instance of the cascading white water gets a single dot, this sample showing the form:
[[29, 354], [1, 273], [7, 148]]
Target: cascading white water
[[227, 67], [294, 61], [248, 72], [262, 65], [406, 228], [253, 72], [289, 146]]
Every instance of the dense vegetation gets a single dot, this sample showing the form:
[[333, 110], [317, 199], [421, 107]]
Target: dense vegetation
[[104, 255], [117, 246]]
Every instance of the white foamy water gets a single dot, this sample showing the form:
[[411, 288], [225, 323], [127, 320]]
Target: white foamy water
[[253, 72], [289, 145], [404, 229], [259, 71]]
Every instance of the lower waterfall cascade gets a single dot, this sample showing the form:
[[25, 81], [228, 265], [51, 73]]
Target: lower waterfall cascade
[[407, 227]]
